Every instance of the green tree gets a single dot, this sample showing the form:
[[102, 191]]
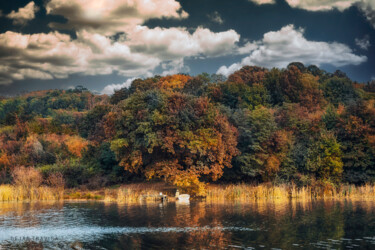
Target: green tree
[[325, 158]]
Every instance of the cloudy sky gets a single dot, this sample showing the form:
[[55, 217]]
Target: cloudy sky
[[104, 44]]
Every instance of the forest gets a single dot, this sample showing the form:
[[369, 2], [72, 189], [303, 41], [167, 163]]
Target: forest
[[299, 125]]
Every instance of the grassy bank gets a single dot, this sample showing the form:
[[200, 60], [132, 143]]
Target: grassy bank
[[215, 193]]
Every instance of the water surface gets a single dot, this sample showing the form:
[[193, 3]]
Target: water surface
[[198, 225]]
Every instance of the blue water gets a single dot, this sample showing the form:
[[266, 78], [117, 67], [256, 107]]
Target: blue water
[[197, 225]]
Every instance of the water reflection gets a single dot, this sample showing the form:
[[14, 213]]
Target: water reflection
[[285, 225]]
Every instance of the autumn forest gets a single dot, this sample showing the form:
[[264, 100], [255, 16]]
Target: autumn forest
[[299, 125]]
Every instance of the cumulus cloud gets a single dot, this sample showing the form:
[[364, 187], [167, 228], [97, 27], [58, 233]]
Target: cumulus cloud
[[110, 89], [279, 48], [321, 5], [363, 43], [96, 51], [23, 15], [56, 55], [215, 17], [366, 6], [110, 17], [174, 43]]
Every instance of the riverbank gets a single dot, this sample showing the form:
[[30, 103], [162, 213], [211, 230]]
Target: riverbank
[[215, 193]]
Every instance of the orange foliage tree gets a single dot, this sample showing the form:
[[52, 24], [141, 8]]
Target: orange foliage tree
[[173, 81], [248, 75], [75, 145]]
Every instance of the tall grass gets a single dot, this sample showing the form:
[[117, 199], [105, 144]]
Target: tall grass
[[19, 193], [245, 192], [133, 193]]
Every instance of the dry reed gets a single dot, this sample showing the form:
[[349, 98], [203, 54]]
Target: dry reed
[[19, 193], [136, 192], [244, 192], [133, 193]]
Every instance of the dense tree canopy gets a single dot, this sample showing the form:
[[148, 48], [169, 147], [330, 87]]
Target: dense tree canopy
[[299, 124]]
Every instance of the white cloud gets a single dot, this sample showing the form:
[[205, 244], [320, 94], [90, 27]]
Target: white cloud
[[247, 48], [216, 18], [23, 15], [110, 17], [110, 89], [95, 51], [174, 43], [363, 43], [321, 5], [279, 48], [56, 55], [366, 6], [263, 1]]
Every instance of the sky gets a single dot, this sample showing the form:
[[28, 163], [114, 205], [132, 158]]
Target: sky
[[105, 44]]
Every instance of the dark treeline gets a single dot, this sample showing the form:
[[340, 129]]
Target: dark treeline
[[299, 124]]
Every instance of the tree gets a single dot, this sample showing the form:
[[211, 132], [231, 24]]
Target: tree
[[173, 136], [290, 84], [173, 82], [325, 158], [354, 134], [272, 82], [76, 145], [299, 65], [248, 75], [91, 126], [340, 90], [310, 95], [262, 146], [119, 95]]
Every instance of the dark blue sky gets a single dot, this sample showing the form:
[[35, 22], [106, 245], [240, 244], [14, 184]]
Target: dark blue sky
[[59, 44]]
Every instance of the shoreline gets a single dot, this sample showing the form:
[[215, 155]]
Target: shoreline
[[133, 193]]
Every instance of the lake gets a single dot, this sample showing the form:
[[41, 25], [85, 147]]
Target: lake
[[194, 225]]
